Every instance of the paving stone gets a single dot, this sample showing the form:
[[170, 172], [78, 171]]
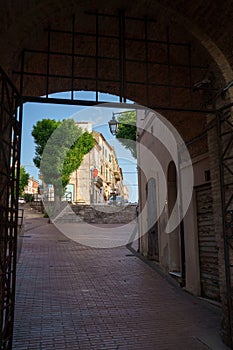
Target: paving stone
[[70, 296]]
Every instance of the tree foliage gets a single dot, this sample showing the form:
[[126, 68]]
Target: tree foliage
[[74, 157], [23, 179], [126, 133], [60, 148], [41, 132]]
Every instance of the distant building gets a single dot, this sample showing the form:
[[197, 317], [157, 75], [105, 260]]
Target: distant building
[[99, 176], [85, 126], [126, 193], [32, 186]]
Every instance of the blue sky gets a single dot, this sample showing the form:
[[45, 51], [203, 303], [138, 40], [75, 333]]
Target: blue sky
[[99, 116]]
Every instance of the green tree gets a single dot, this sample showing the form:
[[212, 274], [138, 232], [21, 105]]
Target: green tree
[[60, 148], [127, 131], [41, 132], [23, 180]]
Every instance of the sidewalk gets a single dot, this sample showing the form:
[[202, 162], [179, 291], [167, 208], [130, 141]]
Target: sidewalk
[[71, 296]]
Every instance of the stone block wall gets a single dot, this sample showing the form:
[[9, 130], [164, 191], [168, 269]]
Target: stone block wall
[[98, 214], [105, 214]]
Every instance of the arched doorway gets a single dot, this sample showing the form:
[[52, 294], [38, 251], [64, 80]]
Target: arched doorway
[[152, 214], [174, 236]]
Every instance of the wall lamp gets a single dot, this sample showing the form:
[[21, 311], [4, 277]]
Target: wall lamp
[[225, 89], [202, 85], [207, 86]]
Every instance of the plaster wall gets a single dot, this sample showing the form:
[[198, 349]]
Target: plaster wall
[[154, 159]]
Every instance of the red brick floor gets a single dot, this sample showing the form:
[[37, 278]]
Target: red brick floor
[[75, 297]]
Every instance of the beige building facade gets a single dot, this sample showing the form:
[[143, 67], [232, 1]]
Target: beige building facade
[[99, 176]]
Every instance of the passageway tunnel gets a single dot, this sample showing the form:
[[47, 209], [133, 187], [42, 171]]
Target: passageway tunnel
[[174, 58]]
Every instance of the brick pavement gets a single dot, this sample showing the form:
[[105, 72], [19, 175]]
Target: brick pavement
[[71, 296]]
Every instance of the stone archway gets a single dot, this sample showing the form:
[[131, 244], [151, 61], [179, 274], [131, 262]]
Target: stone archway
[[137, 78]]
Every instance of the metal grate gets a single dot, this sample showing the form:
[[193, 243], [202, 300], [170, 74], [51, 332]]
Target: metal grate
[[153, 70], [10, 139]]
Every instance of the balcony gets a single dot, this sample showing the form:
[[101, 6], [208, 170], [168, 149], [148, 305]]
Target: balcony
[[117, 175]]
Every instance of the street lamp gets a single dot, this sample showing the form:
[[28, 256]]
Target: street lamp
[[113, 125]]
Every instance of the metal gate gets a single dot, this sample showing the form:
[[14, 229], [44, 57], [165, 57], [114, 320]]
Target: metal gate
[[10, 140], [224, 120], [208, 250]]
